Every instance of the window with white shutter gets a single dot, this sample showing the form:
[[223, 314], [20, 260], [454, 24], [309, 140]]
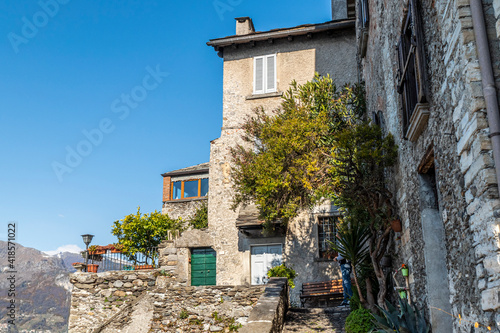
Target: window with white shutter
[[264, 74]]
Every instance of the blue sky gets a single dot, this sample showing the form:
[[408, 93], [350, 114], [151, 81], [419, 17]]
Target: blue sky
[[98, 98]]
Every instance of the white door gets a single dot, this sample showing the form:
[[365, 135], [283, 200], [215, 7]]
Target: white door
[[263, 257]]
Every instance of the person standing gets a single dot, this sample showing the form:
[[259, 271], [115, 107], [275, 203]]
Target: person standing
[[345, 268]]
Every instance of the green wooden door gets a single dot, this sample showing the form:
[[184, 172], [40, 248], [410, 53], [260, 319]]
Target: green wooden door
[[203, 261]]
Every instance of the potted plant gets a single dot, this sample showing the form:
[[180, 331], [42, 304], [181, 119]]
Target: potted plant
[[139, 267], [92, 249], [117, 248], [92, 268], [396, 225], [404, 270]]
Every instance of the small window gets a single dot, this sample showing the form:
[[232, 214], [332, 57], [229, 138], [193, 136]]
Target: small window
[[327, 231], [264, 77], [187, 189]]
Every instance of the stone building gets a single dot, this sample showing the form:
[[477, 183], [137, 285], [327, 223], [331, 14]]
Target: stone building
[[258, 67], [184, 190], [429, 81]]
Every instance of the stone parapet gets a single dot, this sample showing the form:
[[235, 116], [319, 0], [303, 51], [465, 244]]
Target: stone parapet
[[96, 297], [268, 316], [203, 308], [139, 302]]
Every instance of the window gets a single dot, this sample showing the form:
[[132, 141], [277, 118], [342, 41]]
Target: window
[[363, 25], [186, 189], [327, 231], [264, 74], [411, 74]]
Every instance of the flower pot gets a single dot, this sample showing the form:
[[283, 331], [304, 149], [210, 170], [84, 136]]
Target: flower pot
[[144, 267], [404, 271], [396, 225], [402, 294], [92, 268], [386, 261]]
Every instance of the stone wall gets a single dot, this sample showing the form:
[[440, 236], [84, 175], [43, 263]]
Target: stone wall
[[182, 208], [132, 301], [98, 297], [203, 309], [457, 132], [301, 251]]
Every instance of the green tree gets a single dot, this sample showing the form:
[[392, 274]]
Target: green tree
[[318, 146], [361, 156], [141, 232]]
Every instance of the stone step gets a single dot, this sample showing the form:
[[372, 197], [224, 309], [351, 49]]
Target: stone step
[[300, 320]]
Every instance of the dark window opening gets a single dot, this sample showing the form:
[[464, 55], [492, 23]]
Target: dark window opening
[[327, 231]]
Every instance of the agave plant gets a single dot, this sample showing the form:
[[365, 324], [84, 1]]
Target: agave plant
[[406, 320]]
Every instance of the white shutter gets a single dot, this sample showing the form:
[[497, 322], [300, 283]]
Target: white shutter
[[271, 73], [258, 75]]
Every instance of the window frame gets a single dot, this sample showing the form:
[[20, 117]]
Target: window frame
[[265, 89], [182, 189], [322, 253]]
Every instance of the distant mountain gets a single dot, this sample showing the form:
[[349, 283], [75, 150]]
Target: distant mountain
[[43, 289]]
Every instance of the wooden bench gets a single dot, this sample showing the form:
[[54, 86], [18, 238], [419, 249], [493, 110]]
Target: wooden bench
[[331, 291]]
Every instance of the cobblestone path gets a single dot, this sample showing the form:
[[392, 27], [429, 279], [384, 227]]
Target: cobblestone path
[[316, 320]]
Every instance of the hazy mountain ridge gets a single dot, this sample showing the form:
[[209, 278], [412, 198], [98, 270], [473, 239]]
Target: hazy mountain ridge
[[43, 289]]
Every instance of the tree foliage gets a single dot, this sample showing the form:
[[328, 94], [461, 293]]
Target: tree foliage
[[316, 146], [141, 232], [284, 164]]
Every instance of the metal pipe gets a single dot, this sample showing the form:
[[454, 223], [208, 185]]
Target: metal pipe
[[488, 81]]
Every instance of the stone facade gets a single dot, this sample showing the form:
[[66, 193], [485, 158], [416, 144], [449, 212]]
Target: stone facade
[[298, 58], [444, 184]]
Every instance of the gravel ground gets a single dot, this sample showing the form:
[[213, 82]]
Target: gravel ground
[[316, 320]]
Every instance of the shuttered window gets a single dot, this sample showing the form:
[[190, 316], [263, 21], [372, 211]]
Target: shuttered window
[[411, 73], [264, 74]]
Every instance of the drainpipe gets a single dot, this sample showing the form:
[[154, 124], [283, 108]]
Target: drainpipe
[[489, 89]]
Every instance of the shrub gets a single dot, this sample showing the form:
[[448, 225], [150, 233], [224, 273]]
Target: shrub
[[283, 271], [200, 217], [359, 321]]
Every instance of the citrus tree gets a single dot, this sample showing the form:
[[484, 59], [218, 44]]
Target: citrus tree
[[143, 232]]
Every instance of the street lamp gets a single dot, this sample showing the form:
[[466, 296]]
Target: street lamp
[[87, 238]]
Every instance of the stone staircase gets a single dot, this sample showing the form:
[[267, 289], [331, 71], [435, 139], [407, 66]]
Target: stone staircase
[[316, 320]]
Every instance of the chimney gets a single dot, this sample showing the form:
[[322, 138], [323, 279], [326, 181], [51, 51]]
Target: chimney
[[339, 9], [244, 25]]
